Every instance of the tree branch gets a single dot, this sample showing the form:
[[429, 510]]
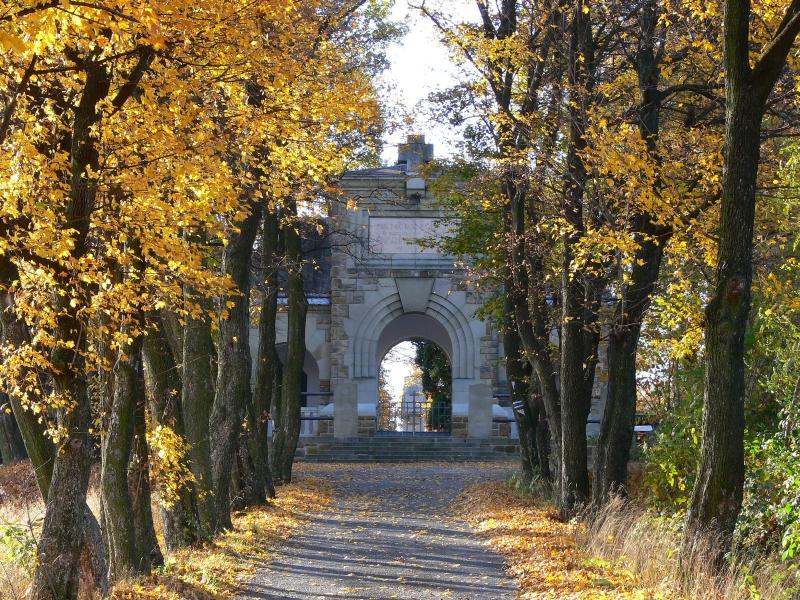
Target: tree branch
[[769, 64]]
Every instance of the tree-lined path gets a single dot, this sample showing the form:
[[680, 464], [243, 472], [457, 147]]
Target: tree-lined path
[[391, 535]]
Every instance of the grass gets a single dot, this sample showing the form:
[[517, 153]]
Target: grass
[[210, 571], [542, 553], [622, 552], [627, 534]]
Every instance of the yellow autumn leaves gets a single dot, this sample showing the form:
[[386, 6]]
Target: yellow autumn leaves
[[200, 107]]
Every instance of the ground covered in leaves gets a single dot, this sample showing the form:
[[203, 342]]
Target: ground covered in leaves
[[212, 571], [541, 551], [216, 570], [392, 533]]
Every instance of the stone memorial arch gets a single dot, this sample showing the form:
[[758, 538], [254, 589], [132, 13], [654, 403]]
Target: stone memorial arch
[[375, 285], [387, 288]]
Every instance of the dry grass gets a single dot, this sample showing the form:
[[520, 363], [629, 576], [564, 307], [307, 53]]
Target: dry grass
[[542, 552], [630, 536], [209, 572], [622, 552]]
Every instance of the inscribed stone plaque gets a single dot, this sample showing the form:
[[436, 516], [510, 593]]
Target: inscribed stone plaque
[[399, 235]]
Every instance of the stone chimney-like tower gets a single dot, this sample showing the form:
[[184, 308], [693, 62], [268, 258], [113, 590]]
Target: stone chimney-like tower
[[413, 153]]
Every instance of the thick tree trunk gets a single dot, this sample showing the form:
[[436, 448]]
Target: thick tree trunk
[[59, 548], [197, 396], [234, 367], [267, 361], [575, 402], [287, 423], [542, 436], [180, 520], [717, 494], [117, 443], [38, 446], [57, 572], [148, 552], [527, 301], [616, 432]]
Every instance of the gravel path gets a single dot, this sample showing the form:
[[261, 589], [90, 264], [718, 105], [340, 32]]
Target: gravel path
[[390, 536]]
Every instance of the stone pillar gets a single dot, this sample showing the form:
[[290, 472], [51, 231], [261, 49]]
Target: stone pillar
[[479, 424], [367, 407], [345, 410]]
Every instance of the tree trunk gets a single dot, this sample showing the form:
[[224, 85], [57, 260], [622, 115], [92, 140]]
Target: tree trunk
[[717, 494], [180, 520], [574, 401], [542, 437], [197, 396], [116, 453], [287, 423], [234, 367], [266, 364], [39, 446], [617, 428], [518, 373], [527, 300], [57, 571], [12, 448], [148, 552]]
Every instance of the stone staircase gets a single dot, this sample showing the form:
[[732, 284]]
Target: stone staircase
[[383, 449]]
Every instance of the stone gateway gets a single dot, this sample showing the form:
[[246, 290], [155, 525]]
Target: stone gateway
[[384, 287]]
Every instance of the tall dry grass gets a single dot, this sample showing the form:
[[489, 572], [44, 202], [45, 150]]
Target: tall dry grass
[[627, 534]]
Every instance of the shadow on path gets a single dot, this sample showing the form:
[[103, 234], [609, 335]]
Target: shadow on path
[[389, 536]]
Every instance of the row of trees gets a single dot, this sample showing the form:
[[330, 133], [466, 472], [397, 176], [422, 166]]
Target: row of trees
[[148, 151], [603, 141]]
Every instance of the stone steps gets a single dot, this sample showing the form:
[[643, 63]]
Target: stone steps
[[406, 449]]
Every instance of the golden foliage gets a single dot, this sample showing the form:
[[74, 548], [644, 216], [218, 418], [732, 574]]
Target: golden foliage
[[216, 569], [541, 551], [168, 463], [188, 112]]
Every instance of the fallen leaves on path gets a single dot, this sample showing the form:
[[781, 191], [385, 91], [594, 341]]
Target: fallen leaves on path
[[541, 551], [215, 570]]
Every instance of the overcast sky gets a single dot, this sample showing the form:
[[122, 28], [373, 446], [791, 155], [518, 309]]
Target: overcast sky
[[420, 65]]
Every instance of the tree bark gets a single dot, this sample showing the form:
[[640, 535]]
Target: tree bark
[[57, 572], [717, 494], [234, 367], [116, 454], [617, 428], [267, 361], [287, 424], [148, 552], [162, 384], [197, 396], [575, 402], [12, 448], [38, 445], [518, 373]]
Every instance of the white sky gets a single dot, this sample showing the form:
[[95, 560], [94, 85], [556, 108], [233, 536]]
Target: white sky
[[399, 362], [420, 64]]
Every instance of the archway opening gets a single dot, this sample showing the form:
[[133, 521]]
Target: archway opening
[[415, 389]]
